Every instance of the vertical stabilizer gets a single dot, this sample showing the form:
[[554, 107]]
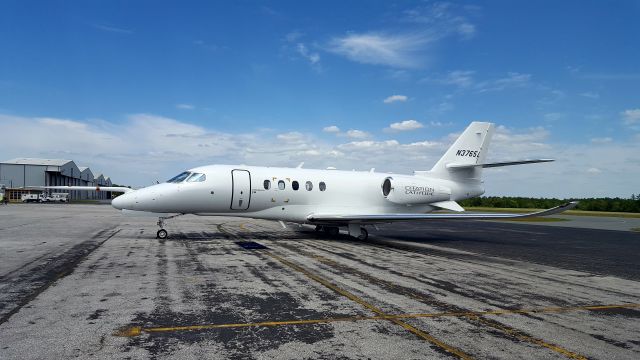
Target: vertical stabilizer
[[470, 148]]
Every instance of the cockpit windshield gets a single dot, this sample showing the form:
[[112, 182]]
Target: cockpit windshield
[[196, 177], [179, 178]]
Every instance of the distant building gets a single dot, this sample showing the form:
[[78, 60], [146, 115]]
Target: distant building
[[18, 174]]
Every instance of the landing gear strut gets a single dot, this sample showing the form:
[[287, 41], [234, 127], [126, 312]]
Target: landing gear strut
[[358, 232], [162, 233]]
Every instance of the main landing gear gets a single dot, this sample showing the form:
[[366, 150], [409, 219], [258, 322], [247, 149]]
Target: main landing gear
[[355, 230], [162, 233]]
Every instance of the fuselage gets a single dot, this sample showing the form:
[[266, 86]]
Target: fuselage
[[292, 194]]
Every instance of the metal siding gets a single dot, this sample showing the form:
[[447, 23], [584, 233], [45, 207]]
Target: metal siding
[[34, 175], [13, 175]]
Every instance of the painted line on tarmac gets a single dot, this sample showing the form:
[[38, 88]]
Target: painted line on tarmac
[[512, 332], [137, 330], [317, 278]]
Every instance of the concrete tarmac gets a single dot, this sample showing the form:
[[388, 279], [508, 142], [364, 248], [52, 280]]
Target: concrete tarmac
[[84, 281]]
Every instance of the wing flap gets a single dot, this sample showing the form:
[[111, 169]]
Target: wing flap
[[381, 218]]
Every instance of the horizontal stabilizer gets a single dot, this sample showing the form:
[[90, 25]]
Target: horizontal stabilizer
[[384, 218], [448, 205], [496, 164], [83, 188]]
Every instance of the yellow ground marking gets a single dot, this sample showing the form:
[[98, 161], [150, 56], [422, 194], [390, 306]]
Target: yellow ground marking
[[396, 319], [138, 330], [524, 337], [506, 329], [421, 334]]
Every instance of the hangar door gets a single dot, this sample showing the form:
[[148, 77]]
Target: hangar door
[[241, 195]]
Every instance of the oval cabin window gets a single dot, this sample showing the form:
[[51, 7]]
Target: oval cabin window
[[308, 185], [295, 185], [322, 186], [281, 184], [267, 184]]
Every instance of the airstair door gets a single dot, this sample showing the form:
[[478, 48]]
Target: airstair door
[[241, 195]]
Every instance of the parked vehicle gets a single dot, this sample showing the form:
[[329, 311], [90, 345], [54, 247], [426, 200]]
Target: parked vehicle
[[55, 197], [31, 198]]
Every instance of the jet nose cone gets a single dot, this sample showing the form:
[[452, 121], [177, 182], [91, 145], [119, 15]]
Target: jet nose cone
[[121, 202]]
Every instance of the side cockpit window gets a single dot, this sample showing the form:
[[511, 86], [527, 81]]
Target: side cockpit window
[[179, 178], [197, 177]]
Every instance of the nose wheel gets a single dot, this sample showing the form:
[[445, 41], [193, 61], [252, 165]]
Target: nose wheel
[[162, 233]]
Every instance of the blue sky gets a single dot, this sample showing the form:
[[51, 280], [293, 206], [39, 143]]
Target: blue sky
[[346, 84]]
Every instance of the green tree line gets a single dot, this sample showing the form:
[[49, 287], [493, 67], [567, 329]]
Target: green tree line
[[590, 204]]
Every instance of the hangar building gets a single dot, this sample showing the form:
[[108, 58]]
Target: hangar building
[[18, 174]]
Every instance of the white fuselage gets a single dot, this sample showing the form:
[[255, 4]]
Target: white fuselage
[[243, 191]]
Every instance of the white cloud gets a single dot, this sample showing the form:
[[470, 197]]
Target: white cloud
[[357, 134], [395, 98], [461, 78], [312, 57], [512, 80], [293, 36], [331, 129], [631, 116], [395, 50], [594, 171], [291, 137], [405, 125], [142, 148], [185, 106], [601, 140], [444, 18]]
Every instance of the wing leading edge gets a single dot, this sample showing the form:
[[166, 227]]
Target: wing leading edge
[[381, 218]]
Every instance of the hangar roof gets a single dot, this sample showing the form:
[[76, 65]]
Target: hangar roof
[[36, 161]]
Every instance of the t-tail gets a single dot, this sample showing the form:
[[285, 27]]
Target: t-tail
[[465, 159]]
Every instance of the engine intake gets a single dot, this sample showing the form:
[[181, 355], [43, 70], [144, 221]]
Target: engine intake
[[413, 191]]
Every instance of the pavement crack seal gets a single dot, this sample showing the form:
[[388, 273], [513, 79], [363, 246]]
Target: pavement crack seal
[[58, 268]]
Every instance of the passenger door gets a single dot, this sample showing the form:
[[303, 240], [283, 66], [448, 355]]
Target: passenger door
[[241, 194]]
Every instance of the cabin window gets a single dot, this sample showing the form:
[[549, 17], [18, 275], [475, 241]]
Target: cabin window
[[322, 186], [281, 184], [179, 178], [197, 177], [308, 185], [295, 185], [267, 184]]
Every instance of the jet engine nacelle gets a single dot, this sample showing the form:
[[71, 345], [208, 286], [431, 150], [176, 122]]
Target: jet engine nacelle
[[413, 191]]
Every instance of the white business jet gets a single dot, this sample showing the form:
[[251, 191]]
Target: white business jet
[[329, 199]]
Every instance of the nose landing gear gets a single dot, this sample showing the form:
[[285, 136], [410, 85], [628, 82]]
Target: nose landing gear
[[162, 233]]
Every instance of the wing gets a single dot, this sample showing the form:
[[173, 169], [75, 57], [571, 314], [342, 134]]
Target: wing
[[382, 218], [85, 188]]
